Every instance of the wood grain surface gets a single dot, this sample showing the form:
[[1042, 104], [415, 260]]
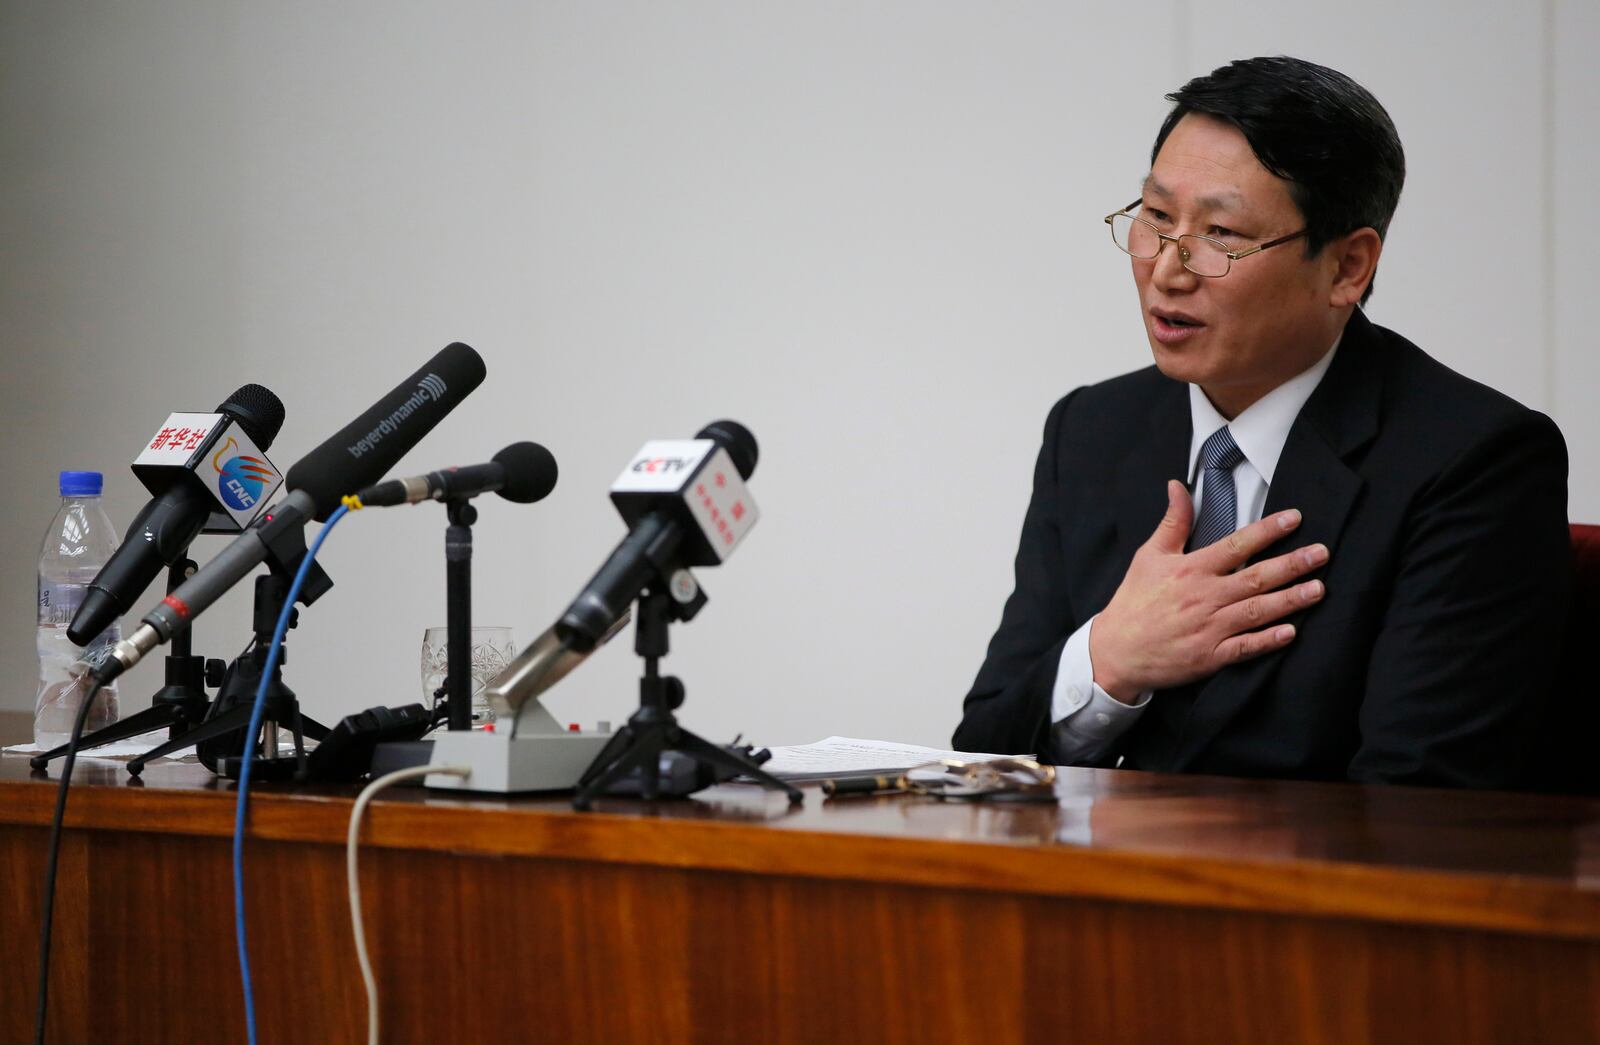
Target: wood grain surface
[[1136, 908]]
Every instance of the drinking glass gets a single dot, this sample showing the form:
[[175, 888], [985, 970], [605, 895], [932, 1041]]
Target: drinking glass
[[492, 650]]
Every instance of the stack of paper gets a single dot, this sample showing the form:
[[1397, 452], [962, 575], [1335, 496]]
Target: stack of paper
[[842, 757]]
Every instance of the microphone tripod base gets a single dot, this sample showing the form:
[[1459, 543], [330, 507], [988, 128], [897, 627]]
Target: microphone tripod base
[[220, 738], [640, 761], [641, 756], [176, 718]]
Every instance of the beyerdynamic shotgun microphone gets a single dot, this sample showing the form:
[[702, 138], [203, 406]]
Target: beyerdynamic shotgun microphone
[[186, 492], [355, 456]]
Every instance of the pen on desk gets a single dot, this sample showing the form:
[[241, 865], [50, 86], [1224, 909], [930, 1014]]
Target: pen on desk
[[862, 785]]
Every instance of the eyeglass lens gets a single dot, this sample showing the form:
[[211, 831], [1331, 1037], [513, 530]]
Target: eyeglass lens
[[1201, 256]]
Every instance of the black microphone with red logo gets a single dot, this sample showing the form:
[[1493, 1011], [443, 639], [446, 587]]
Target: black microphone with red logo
[[205, 472], [686, 505]]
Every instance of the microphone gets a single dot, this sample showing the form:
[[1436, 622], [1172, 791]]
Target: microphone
[[360, 452], [355, 456], [195, 465], [686, 505], [521, 473]]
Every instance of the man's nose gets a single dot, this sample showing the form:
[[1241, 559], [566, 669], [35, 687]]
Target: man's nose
[[1169, 273]]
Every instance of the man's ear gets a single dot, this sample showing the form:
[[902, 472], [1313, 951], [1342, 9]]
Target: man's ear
[[1355, 257]]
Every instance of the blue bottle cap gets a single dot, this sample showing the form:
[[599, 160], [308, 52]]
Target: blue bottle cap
[[81, 484]]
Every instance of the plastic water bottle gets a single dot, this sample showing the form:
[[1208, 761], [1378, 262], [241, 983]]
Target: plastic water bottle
[[79, 542]]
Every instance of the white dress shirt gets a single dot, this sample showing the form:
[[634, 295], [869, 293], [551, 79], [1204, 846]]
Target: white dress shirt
[[1086, 718]]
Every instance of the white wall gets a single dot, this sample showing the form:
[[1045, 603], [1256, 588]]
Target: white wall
[[870, 232]]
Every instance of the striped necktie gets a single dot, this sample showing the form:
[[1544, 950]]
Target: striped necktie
[[1219, 509]]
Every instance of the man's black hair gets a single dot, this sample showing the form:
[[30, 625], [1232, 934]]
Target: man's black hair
[[1316, 128]]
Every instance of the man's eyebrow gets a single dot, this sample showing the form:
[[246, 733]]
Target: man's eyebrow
[[1228, 201], [1155, 188]]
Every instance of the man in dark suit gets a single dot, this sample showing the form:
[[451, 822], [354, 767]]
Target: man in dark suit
[[1369, 581]]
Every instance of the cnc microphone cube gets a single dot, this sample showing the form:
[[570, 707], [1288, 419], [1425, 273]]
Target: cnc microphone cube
[[213, 453]]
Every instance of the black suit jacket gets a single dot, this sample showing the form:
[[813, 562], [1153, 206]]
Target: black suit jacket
[[1430, 658]]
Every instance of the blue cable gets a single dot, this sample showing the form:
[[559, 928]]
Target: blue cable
[[249, 754]]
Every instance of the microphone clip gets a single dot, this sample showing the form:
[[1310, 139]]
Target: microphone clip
[[282, 528]]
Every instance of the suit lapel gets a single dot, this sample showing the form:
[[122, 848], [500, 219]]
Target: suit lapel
[[1313, 475], [1159, 454]]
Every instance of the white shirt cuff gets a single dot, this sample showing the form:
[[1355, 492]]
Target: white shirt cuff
[[1086, 717]]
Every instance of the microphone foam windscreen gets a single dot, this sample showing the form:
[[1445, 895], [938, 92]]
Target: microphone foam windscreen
[[364, 450], [530, 472], [258, 411], [737, 440]]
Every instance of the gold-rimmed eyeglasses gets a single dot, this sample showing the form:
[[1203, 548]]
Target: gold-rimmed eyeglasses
[[1001, 778], [1201, 255], [1009, 777]]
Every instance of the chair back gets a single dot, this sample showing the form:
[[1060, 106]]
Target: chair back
[[1574, 756]]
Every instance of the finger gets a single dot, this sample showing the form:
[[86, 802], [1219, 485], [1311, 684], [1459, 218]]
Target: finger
[[1254, 644], [1232, 551], [1173, 530], [1262, 610], [1272, 574]]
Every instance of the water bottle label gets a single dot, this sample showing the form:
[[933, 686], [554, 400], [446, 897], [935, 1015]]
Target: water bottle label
[[58, 603]]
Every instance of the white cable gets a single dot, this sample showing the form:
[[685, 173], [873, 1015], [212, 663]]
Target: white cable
[[356, 926]]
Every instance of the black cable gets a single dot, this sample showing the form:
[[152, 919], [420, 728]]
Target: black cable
[[50, 867]]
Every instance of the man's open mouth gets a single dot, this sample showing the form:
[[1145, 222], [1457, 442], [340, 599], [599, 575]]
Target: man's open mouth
[[1174, 319]]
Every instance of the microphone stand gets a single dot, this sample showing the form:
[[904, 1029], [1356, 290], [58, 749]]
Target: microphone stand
[[452, 701], [458, 611], [230, 712], [653, 730], [179, 705]]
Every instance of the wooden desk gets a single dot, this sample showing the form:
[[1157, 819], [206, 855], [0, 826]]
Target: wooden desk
[[1140, 908]]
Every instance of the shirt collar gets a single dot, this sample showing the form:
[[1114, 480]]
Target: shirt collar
[[1262, 429]]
